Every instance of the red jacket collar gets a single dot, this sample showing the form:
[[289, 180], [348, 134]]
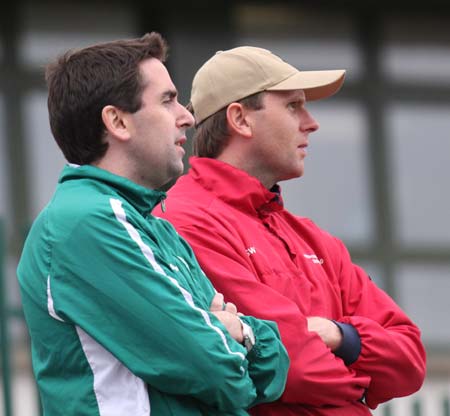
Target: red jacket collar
[[234, 186]]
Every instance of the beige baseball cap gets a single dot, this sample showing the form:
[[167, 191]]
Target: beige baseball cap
[[237, 73]]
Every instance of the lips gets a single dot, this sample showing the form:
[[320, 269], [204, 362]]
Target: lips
[[303, 147], [181, 141]]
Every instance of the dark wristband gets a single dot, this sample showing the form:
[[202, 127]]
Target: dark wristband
[[350, 347]]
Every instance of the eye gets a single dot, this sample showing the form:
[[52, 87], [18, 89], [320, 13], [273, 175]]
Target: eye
[[294, 105], [169, 98]]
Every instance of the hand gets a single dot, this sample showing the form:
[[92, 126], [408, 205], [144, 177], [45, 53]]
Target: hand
[[327, 330], [232, 323], [228, 315], [218, 304]]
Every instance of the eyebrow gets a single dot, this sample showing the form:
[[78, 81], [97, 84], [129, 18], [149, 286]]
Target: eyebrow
[[297, 95], [169, 94]]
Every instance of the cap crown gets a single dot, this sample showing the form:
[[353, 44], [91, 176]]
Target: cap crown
[[240, 72]]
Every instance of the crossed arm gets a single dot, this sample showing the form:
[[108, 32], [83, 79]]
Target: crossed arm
[[227, 314], [391, 350]]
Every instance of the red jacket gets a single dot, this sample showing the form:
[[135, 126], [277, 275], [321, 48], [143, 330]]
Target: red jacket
[[276, 266]]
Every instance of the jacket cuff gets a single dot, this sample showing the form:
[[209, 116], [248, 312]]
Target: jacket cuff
[[350, 347]]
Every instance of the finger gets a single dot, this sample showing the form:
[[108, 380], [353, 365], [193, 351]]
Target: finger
[[231, 307], [217, 302]]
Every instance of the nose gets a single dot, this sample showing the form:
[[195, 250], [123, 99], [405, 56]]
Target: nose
[[185, 119], [309, 123]]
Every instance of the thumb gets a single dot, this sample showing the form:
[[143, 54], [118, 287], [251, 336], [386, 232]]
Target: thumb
[[216, 303]]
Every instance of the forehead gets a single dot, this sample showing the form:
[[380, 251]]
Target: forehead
[[287, 95], [155, 75]]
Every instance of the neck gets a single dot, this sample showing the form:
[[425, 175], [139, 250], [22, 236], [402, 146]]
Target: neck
[[120, 167], [247, 164]]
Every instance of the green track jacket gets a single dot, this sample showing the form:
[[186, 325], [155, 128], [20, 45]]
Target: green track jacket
[[118, 312]]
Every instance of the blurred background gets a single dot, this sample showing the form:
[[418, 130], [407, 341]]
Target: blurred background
[[377, 172]]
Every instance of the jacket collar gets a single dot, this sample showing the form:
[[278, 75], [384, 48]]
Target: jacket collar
[[143, 199], [234, 186]]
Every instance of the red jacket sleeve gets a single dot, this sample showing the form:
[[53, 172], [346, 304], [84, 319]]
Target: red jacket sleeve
[[316, 376], [392, 352]]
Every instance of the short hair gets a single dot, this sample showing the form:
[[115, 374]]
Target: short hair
[[211, 135], [82, 82]]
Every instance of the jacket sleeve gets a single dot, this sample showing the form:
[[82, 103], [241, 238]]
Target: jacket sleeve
[[392, 352], [269, 379], [157, 328], [316, 376], [268, 361]]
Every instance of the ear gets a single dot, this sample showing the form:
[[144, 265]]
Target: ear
[[237, 120], [116, 122]]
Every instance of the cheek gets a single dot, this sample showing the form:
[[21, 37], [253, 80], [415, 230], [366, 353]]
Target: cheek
[[162, 130]]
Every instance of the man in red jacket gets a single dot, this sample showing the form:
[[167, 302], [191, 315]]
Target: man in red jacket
[[351, 347]]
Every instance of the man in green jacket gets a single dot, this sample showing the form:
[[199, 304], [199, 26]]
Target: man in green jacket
[[123, 321]]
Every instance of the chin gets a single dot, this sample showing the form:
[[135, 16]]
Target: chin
[[177, 172], [297, 173]]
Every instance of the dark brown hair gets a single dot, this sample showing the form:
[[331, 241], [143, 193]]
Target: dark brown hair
[[82, 82], [212, 134]]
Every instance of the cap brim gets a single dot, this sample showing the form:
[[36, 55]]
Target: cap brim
[[316, 84]]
